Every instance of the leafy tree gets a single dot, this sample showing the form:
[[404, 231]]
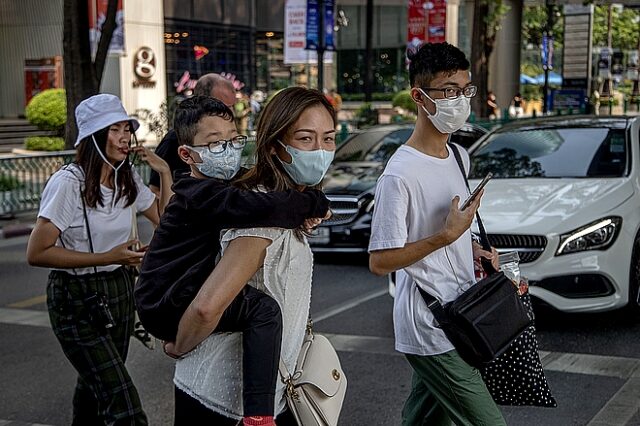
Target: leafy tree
[[487, 21], [625, 27], [82, 75]]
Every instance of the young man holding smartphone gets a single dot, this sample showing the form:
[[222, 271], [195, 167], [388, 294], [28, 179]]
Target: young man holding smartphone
[[419, 230]]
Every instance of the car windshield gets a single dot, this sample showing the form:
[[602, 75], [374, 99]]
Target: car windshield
[[552, 153], [376, 146]]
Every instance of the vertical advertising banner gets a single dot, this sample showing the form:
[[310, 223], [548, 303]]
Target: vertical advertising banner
[[436, 21], [313, 23], [415, 25], [97, 16], [295, 41], [295, 35]]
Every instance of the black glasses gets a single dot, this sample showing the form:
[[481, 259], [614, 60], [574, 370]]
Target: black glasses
[[220, 146], [454, 92]]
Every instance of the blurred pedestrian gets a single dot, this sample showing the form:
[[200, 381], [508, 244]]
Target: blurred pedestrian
[[492, 106], [335, 99], [213, 85], [515, 109], [242, 110], [595, 101], [83, 234]]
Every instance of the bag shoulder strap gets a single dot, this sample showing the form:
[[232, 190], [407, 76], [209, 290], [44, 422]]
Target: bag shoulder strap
[[70, 169], [484, 239]]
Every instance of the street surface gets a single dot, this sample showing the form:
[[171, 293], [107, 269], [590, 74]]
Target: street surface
[[592, 362]]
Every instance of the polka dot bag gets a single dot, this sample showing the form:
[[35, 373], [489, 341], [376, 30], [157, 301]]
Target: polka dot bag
[[516, 377]]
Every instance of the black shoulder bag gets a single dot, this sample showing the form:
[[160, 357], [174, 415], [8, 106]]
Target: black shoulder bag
[[483, 321]]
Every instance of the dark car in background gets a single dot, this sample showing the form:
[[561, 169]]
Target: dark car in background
[[351, 181]]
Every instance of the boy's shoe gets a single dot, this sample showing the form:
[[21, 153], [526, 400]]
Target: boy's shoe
[[143, 335], [258, 421]]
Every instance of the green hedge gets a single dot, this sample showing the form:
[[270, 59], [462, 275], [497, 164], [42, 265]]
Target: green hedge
[[359, 97], [44, 143], [48, 110], [7, 183], [403, 100]]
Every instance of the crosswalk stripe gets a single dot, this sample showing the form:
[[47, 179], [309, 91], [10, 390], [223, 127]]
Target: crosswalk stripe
[[24, 317], [620, 409], [593, 365], [29, 302]]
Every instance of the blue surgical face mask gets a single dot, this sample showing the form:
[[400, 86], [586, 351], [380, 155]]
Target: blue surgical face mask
[[223, 165], [307, 167]]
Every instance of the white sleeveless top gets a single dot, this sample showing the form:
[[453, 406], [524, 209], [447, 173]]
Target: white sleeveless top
[[212, 372]]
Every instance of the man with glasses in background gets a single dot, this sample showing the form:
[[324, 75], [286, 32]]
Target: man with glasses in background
[[213, 85], [420, 231]]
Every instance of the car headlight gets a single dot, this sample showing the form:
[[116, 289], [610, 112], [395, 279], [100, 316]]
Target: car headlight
[[369, 206], [598, 235]]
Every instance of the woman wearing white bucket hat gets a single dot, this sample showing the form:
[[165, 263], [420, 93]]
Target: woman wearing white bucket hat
[[83, 234]]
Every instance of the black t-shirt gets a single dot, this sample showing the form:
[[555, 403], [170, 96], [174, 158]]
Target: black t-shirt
[[168, 151], [184, 247]]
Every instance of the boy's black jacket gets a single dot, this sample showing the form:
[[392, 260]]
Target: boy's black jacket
[[183, 250]]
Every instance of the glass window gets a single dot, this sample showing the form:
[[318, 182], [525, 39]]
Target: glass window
[[552, 153]]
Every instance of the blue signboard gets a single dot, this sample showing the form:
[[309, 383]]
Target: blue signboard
[[574, 99], [547, 51], [313, 22]]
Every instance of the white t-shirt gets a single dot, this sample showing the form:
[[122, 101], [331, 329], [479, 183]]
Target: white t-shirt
[[61, 204], [212, 372], [413, 197]]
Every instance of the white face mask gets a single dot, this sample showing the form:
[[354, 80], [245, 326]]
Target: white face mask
[[450, 115]]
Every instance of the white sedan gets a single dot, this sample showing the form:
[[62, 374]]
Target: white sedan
[[566, 195]]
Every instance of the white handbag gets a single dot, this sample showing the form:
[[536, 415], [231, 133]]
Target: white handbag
[[316, 389]]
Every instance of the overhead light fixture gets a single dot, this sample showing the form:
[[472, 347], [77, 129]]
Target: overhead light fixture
[[269, 33]]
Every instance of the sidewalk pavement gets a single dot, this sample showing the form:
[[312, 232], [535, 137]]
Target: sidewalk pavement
[[18, 225]]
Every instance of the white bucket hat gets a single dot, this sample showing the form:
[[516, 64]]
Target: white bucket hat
[[100, 111]]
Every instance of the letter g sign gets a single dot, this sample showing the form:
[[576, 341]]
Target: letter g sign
[[144, 63]]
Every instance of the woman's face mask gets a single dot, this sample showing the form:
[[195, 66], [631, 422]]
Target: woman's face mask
[[450, 115], [223, 165], [307, 167]]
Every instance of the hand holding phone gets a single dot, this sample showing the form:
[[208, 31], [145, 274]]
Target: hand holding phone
[[476, 191]]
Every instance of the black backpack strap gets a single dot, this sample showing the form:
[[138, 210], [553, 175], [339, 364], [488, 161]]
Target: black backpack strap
[[484, 239]]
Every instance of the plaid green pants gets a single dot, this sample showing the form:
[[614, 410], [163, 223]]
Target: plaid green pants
[[104, 393], [445, 389]]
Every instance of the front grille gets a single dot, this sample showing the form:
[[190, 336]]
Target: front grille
[[529, 247], [344, 209]]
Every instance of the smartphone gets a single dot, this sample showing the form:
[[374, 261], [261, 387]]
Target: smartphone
[[475, 192]]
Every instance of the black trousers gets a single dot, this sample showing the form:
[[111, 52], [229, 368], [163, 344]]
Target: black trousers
[[259, 318], [189, 412], [104, 392]]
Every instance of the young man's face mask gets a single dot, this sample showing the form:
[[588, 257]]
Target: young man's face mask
[[450, 115]]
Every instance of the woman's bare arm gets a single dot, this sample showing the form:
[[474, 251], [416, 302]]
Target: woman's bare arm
[[42, 251], [242, 259]]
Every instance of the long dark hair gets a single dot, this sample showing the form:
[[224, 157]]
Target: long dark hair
[[91, 164], [275, 121]]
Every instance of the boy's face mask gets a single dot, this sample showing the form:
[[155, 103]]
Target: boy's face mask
[[223, 165]]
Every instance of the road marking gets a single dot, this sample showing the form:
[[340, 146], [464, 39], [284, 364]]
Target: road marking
[[620, 409], [17, 423], [592, 365], [15, 241], [24, 317], [29, 302], [345, 306]]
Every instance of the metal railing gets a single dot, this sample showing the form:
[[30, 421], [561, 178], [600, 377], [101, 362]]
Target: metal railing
[[22, 179]]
